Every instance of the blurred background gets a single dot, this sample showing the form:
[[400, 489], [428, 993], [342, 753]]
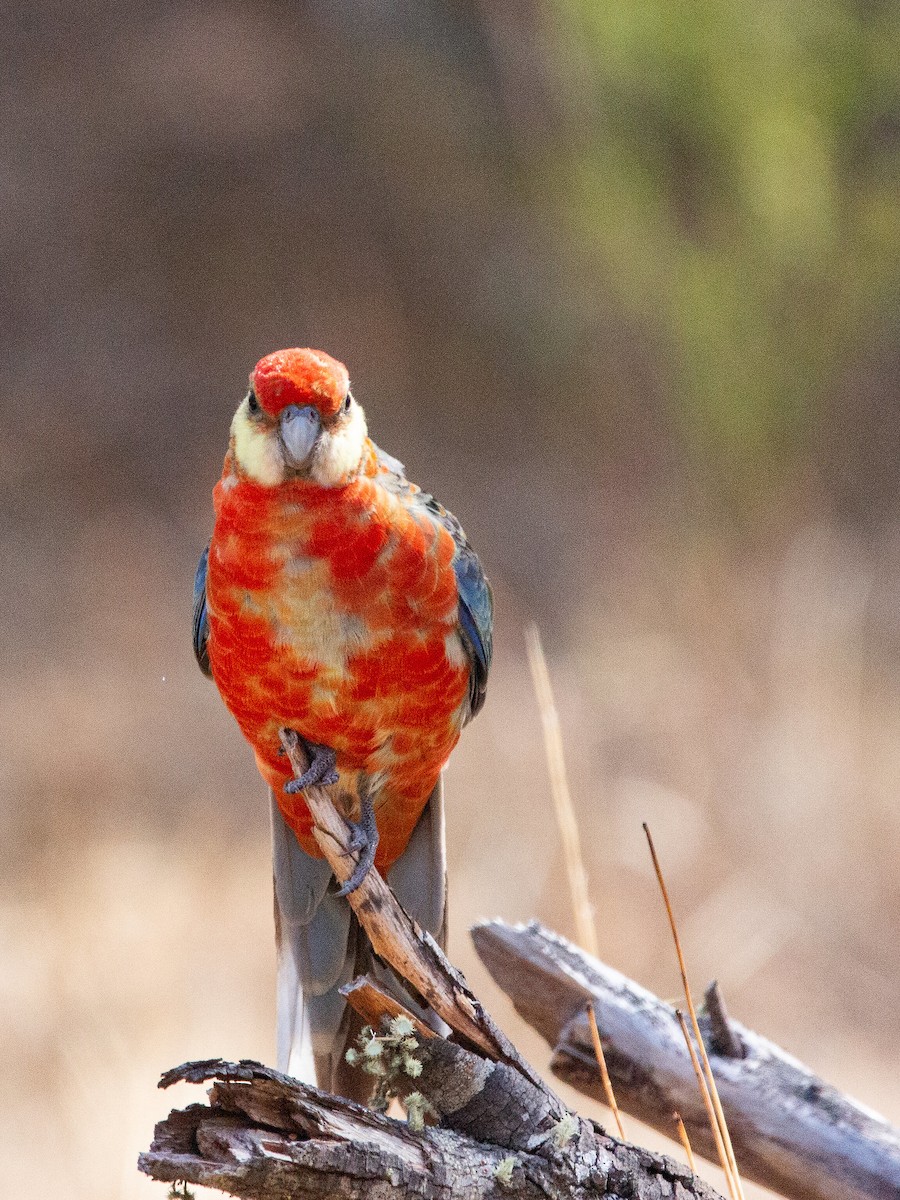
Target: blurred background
[[621, 284]]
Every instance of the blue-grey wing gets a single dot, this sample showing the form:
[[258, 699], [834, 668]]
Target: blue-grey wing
[[476, 620], [201, 620]]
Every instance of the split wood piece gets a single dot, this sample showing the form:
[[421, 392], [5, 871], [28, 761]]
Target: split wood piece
[[411, 951], [374, 1004], [264, 1136], [791, 1132]]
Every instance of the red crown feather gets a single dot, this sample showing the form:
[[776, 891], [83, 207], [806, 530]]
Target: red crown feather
[[300, 376]]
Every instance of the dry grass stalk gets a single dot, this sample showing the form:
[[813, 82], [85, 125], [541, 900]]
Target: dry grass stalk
[[604, 1074], [708, 1105], [685, 1141], [707, 1069], [570, 837], [562, 798]]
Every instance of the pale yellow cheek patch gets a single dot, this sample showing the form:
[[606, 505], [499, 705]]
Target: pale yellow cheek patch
[[256, 449], [338, 454]]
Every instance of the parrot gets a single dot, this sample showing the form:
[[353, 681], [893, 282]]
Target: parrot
[[337, 599]]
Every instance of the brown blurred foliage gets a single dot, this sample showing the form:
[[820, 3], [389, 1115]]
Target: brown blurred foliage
[[623, 290]]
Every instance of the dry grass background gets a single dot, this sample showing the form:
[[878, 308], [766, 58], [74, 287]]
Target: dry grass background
[[738, 704]]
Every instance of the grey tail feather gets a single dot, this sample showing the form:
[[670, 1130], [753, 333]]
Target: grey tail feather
[[321, 946]]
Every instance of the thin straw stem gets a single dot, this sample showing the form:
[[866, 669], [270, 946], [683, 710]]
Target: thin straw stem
[[708, 1105], [685, 1141], [562, 798], [707, 1069], [604, 1074]]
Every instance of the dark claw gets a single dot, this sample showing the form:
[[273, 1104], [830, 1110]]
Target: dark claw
[[364, 839], [320, 770]]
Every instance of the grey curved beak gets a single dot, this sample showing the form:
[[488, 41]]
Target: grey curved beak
[[299, 428]]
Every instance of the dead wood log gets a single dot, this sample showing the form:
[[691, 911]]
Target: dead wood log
[[502, 1132], [791, 1132], [264, 1136]]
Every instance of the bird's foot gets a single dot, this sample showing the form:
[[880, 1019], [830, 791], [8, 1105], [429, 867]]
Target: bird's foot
[[320, 770], [364, 839]]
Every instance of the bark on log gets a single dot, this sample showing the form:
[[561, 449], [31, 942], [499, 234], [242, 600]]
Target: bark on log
[[791, 1132], [267, 1137], [503, 1130]]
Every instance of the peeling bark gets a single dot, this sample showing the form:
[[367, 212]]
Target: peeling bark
[[266, 1137]]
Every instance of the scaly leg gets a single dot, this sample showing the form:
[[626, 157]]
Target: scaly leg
[[364, 838], [320, 770]]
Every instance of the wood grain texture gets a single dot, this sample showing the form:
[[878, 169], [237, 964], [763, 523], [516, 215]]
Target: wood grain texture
[[374, 1004], [266, 1137], [502, 1131], [791, 1131]]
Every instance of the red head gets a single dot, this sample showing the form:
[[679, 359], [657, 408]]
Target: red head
[[300, 377], [298, 421]]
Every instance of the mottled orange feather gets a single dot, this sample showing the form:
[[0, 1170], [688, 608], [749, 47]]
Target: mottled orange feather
[[334, 611]]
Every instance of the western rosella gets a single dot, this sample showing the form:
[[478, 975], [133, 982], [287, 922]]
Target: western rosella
[[337, 599]]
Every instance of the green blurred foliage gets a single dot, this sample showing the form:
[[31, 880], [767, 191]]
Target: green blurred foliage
[[734, 175]]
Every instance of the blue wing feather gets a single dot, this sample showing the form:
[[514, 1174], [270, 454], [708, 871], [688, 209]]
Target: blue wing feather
[[476, 619], [201, 620]]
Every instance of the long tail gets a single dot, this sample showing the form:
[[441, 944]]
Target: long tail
[[321, 946]]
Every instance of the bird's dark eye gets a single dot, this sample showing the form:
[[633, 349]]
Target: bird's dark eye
[[252, 402], [345, 407]]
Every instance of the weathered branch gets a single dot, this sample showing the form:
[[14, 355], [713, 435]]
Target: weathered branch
[[791, 1132], [723, 1036], [411, 951], [266, 1137]]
